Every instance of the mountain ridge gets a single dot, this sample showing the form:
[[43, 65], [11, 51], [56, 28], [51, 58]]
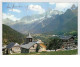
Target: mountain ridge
[[54, 23]]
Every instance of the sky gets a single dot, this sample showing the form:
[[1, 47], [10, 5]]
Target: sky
[[15, 11]]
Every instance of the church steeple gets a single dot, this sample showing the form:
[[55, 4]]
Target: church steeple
[[28, 38]]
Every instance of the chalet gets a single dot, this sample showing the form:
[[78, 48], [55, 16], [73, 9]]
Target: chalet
[[13, 48], [32, 46], [68, 42]]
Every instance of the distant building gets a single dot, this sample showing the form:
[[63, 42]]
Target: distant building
[[13, 48], [42, 46], [68, 42], [32, 46]]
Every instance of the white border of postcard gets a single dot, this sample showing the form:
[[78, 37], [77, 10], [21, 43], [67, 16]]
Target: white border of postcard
[[58, 1]]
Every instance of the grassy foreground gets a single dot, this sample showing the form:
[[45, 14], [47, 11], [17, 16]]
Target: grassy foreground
[[67, 52]]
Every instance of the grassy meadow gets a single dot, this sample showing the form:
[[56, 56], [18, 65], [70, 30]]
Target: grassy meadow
[[66, 52]]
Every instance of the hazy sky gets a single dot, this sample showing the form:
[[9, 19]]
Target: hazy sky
[[15, 11]]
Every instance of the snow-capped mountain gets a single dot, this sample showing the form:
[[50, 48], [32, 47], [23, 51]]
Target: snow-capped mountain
[[50, 21]]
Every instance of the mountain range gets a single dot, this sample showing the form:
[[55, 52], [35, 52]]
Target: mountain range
[[52, 21]]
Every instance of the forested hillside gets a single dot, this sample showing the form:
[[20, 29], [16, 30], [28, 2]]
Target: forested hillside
[[10, 35]]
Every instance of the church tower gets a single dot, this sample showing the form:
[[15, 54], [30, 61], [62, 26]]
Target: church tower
[[28, 38]]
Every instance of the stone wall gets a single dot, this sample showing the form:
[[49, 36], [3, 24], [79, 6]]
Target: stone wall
[[33, 48], [16, 49]]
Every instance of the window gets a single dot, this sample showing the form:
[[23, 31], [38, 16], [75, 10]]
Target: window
[[30, 40]]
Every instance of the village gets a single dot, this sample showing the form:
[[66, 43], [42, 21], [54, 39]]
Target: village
[[40, 29], [31, 46]]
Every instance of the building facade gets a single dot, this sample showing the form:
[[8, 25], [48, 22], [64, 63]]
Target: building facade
[[13, 48], [32, 46], [68, 42]]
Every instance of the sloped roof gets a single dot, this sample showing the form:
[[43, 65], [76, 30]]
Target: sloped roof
[[29, 36], [42, 45], [27, 46], [39, 41], [16, 44], [10, 45]]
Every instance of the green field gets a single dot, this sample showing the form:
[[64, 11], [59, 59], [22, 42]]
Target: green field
[[67, 52]]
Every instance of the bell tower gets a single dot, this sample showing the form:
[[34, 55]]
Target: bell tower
[[28, 38]]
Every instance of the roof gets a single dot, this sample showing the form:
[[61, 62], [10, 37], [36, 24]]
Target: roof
[[10, 45], [65, 37], [16, 44], [42, 45], [29, 36], [39, 41], [27, 46]]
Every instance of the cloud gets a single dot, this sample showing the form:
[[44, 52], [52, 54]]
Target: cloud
[[63, 6], [37, 8], [51, 3], [10, 16], [15, 10]]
